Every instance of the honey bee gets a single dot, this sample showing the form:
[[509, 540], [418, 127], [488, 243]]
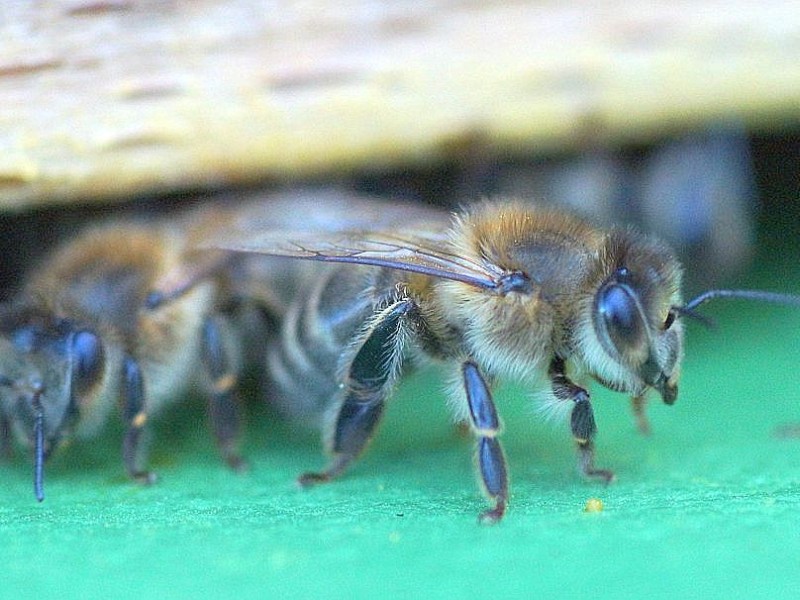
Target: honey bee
[[500, 290], [86, 331]]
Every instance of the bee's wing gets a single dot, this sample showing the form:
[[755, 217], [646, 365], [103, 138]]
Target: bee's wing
[[423, 252], [338, 226]]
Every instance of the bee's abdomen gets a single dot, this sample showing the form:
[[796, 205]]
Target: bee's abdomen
[[305, 359]]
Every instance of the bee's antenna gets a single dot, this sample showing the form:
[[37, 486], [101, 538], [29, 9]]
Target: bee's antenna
[[36, 388], [758, 295], [682, 311], [38, 468], [38, 442]]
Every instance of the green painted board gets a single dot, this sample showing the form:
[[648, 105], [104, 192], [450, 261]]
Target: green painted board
[[707, 507]]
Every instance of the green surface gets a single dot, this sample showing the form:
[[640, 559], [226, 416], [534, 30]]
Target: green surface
[[708, 506]]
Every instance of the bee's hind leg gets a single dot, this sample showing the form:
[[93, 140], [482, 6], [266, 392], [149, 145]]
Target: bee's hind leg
[[367, 384], [582, 421]]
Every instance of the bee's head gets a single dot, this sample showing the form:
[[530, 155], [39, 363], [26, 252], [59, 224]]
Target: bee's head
[[634, 340], [49, 370]]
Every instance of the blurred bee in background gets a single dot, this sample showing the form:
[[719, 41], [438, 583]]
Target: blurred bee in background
[[502, 289], [80, 336]]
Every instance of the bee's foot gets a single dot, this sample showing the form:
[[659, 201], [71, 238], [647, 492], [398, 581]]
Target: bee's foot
[[145, 478], [494, 515], [237, 463], [307, 480], [604, 475]]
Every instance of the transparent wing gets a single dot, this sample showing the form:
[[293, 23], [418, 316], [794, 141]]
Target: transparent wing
[[392, 250], [339, 227]]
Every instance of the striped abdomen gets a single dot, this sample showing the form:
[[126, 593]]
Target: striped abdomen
[[332, 304]]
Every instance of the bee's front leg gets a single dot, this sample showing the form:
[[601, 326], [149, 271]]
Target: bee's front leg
[[582, 421], [366, 386], [223, 407], [486, 425], [134, 415]]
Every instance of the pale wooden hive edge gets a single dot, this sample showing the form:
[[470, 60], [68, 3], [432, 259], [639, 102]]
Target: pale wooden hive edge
[[100, 100]]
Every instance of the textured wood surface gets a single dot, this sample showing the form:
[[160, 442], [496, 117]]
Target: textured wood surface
[[104, 99]]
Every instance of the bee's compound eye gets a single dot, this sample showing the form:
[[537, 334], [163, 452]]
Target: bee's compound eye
[[620, 314], [87, 357]]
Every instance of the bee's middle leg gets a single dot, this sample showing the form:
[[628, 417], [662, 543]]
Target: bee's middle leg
[[582, 423], [134, 414], [223, 407], [367, 384]]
